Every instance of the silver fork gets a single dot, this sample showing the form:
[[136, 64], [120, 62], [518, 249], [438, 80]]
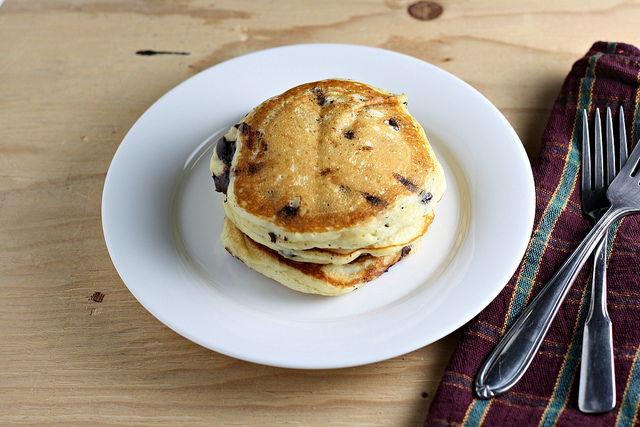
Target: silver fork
[[512, 356], [597, 392]]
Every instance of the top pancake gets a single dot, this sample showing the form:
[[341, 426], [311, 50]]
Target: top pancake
[[333, 163]]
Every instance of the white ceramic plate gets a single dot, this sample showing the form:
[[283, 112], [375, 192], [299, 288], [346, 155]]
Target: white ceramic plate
[[162, 218]]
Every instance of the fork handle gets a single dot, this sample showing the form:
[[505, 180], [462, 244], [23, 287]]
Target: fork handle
[[597, 391], [512, 356]]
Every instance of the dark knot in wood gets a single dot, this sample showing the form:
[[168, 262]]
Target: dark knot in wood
[[425, 10]]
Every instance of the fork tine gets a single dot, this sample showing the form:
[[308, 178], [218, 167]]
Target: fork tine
[[610, 153], [630, 168], [598, 164], [623, 152], [586, 154]]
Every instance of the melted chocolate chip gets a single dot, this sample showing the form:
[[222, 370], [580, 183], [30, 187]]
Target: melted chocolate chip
[[349, 134], [319, 94], [272, 236], [289, 211], [225, 150], [407, 184], [253, 137], [222, 182], [254, 141], [394, 124], [263, 147], [254, 168], [373, 200], [425, 196], [325, 171], [405, 251]]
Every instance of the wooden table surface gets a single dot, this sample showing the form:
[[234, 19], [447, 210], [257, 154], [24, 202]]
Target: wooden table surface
[[75, 345]]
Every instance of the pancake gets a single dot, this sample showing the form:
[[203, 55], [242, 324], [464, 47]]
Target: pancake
[[333, 164], [322, 279], [326, 186], [389, 246]]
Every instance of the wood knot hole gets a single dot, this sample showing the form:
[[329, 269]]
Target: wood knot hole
[[425, 10], [97, 297]]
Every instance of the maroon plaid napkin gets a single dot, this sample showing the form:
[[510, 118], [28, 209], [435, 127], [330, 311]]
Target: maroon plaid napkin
[[608, 75]]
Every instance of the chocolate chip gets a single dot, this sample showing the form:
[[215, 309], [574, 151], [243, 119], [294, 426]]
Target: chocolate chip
[[225, 150], [289, 211], [222, 182], [254, 168], [425, 196], [373, 200], [250, 169], [405, 251], [319, 94], [408, 184], [394, 124], [425, 10], [272, 236], [349, 134], [324, 172], [253, 136]]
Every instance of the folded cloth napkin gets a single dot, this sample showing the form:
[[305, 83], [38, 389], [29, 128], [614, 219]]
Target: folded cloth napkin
[[608, 75]]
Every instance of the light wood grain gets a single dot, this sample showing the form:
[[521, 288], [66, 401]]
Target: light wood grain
[[71, 85]]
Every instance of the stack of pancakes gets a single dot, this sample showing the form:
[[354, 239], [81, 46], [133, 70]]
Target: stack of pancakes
[[327, 185]]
